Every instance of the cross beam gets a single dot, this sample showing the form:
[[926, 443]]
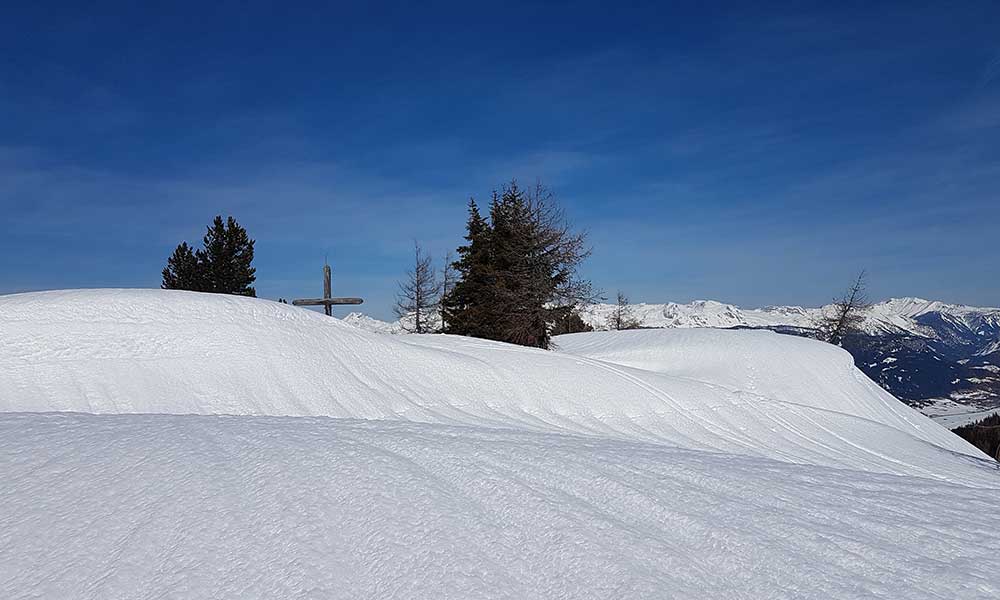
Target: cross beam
[[327, 301]]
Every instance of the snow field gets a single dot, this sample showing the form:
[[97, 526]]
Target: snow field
[[152, 506], [170, 444]]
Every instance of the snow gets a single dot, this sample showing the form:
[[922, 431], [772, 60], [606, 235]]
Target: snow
[[172, 444], [951, 414], [432, 321], [993, 347], [221, 507], [363, 321], [915, 307], [896, 315], [893, 316], [701, 313]]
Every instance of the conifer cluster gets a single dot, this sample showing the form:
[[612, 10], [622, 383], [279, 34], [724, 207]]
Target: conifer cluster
[[984, 434], [222, 266], [517, 271]]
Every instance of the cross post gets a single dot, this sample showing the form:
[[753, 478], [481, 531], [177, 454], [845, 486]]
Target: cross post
[[327, 301]]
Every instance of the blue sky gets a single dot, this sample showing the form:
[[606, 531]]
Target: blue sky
[[756, 155]]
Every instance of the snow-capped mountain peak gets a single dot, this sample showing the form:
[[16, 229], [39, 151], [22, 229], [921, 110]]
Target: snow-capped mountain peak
[[702, 313], [895, 316]]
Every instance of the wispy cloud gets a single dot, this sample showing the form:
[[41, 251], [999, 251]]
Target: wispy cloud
[[298, 212], [990, 73]]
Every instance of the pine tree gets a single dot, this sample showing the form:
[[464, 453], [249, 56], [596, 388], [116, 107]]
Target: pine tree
[[227, 259], [467, 308], [984, 434], [517, 274], [183, 271], [524, 281], [536, 257], [571, 322], [223, 266], [448, 277]]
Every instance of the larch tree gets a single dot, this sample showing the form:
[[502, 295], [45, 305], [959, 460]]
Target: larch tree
[[847, 313], [419, 294], [622, 317]]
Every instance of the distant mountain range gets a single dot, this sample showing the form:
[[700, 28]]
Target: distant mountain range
[[943, 358], [897, 316]]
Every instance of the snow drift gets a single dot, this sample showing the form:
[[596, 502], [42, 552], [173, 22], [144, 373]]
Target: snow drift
[[628, 464], [747, 392]]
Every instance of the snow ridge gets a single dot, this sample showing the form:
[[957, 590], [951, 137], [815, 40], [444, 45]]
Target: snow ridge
[[154, 351]]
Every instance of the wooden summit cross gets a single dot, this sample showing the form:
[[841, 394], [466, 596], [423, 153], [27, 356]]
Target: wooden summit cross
[[326, 301]]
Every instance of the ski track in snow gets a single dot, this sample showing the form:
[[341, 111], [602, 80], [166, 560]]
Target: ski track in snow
[[216, 506], [321, 461]]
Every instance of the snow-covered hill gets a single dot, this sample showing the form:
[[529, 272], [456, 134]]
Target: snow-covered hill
[[683, 463], [927, 353], [151, 351]]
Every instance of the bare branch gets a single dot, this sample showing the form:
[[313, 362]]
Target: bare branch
[[622, 317], [419, 295], [848, 312]]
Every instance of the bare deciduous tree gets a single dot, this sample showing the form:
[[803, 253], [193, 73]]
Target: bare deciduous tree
[[418, 295], [562, 249], [847, 314], [622, 317]]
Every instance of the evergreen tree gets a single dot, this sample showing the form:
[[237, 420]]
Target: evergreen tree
[[467, 308], [183, 271], [571, 322], [223, 266], [984, 434], [522, 281], [447, 283], [517, 273], [227, 259]]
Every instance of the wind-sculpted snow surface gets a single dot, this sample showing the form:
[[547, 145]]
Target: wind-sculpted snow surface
[[668, 463], [153, 506], [754, 393]]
